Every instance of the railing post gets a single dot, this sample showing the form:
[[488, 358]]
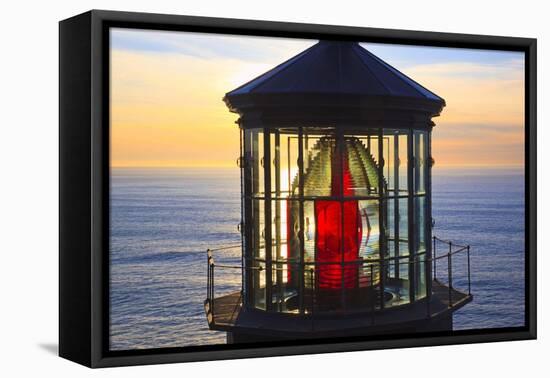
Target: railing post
[[429, 306], [212, 285], [435, 260], [312, 291], [450, 274], [427, 264], [208, 274], [381, 284], [373, 293], [469, 285], [358, 268]]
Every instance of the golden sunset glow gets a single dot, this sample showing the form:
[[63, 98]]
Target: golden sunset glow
[[167, 108], [165, 112], [482, 124]]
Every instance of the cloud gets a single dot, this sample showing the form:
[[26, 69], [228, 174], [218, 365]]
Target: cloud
[[208, 46], [483, 121], [476, 93], [504, 70], [405, 56], [167, 109]]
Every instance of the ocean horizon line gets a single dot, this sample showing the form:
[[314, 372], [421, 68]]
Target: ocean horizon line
[[502, 167]]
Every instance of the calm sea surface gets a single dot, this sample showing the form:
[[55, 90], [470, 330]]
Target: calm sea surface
[[163, 220]]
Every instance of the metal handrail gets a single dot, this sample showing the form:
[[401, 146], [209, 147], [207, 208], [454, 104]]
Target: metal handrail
[[448, 242], [388, 260], [224, 248], [449, 255], [362, 260], [312, 267]]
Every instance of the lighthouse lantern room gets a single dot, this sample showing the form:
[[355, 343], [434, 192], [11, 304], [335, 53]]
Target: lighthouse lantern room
[[336, 168]]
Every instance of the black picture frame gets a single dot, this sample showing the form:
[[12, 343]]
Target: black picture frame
[[84, 186]]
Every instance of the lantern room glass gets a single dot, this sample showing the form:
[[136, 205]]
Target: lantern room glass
[[335, 219]]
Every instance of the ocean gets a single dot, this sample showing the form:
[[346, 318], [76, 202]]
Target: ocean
[[163, 220]]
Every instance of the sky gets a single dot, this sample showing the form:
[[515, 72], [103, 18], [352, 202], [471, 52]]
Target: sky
[[167, 90]]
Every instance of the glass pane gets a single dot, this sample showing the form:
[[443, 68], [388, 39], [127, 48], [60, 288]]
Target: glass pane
[[329, 243], [285, 294], [420, 161], [319, 164], [372, 145], [370, 230], [403, 227], [391, 261], [259, 285], [390, 227], [403, 159], [254, 154], [258, 214], [276, 230], [389, 160], [403, 239], [292, 212], [420, 234], [369, 273], [282, 206], [309, 231], [361, 176], [401, 288], [354, 166], [275, 164], [288, 165], [420, 272]]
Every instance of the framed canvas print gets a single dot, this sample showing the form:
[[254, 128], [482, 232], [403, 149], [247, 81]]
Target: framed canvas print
[[233, 188]]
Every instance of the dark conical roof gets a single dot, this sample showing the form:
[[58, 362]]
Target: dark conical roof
[[333, 72]]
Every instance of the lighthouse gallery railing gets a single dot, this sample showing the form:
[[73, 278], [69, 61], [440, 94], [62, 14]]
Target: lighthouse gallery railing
[[443, 255]]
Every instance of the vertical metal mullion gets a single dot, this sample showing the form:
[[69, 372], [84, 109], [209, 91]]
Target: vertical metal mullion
[[268, 221], [428, 210], [381, 215], [288, 170], [249, 220], [396, 203], [291, 267], [255, 159], [417, 210], [277, 162], [410, 201], [243, 200], [301, 233], [341, 157], [315, 289]]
